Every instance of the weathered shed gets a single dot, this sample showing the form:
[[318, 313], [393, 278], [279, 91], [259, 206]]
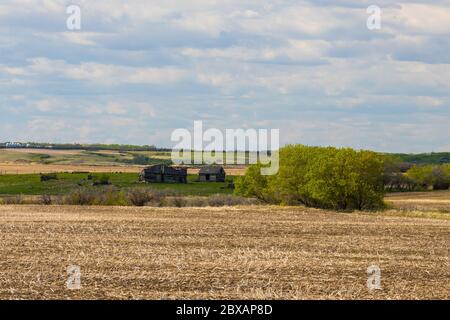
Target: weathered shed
[[163, 173], [211, 174]]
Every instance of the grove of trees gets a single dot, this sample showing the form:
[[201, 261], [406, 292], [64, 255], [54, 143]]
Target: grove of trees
[[429, 177], [332, 178]]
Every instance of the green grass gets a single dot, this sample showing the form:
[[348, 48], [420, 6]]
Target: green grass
[[30, 184]]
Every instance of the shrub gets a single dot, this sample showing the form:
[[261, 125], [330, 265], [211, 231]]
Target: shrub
[[109, 196], [17, 199], [46, 199], [441, 176], [48, 176], [103, 180], [141, 196], [175, 201], [196, 202], [81, 197], [220, 200]]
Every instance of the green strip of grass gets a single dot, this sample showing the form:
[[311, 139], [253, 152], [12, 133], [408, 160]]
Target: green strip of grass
[[30, 184]]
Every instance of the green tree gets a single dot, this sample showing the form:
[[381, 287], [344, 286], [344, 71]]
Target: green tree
[[340, 179], [422, 176], [252, 184]]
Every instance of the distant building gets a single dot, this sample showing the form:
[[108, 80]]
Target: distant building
[[14, 145], [163, 173], [211, 174]]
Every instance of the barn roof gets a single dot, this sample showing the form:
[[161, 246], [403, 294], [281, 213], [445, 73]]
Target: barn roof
[[211, 170], [162, 168]]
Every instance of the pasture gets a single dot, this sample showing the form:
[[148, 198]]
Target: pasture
[[30, 184], [253, 252]]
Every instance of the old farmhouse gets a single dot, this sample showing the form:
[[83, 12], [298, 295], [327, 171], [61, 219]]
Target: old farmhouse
[[211, 174], [163, 173]]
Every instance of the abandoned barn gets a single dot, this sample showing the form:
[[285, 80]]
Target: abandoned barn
[[163, 173], [212, 174]]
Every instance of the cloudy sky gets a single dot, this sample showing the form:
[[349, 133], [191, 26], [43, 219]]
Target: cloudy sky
[[137, 70]]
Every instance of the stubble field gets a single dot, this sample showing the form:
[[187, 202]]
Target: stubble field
[[258, 252]]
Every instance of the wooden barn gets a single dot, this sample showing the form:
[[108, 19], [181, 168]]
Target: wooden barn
[[211, 174], [163, 173]]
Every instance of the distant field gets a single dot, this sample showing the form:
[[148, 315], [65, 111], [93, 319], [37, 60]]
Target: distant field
[[29, 161], [75, 157], [423, 203], [224, 253], [443, 195], [32, 168]]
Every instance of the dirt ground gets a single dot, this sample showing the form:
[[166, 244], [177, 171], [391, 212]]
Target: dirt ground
[[421, 202], [14, 168], [259, 252]]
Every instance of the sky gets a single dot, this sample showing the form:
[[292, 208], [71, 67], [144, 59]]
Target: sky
[[137, 70]]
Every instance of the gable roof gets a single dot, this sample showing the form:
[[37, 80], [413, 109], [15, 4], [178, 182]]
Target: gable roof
[[211, 170], [162, 168]]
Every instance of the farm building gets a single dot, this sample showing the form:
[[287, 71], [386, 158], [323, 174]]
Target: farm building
[[163, 173], [212, 174]]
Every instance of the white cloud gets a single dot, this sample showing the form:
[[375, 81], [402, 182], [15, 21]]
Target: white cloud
[[115, 108], [417, 18], [294, 51], [106, 74], [46, 105], [310, 67], [204, 22], [82, 38], [155, 75], [12, 71]]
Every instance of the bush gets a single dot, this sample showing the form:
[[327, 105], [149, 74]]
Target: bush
[[109, 196], [141, 196], [17, 199], [339, 179], [196, 202], [81, 197], [175, 201], [46, 199], [220, 200], [103, 180], [48, 176]]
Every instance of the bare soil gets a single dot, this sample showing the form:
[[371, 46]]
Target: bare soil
[[255, 252]]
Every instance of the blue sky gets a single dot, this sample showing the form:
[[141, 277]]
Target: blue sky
[[137, 70]]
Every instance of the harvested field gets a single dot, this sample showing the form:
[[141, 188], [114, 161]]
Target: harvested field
[[41, 151], [242, 252], [18, 168], [33, 161], [436, 201]]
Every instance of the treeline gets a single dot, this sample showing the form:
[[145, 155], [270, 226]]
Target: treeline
[[89, 147], [331, 178], [141, 159], [417, 178], [424, 158]]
